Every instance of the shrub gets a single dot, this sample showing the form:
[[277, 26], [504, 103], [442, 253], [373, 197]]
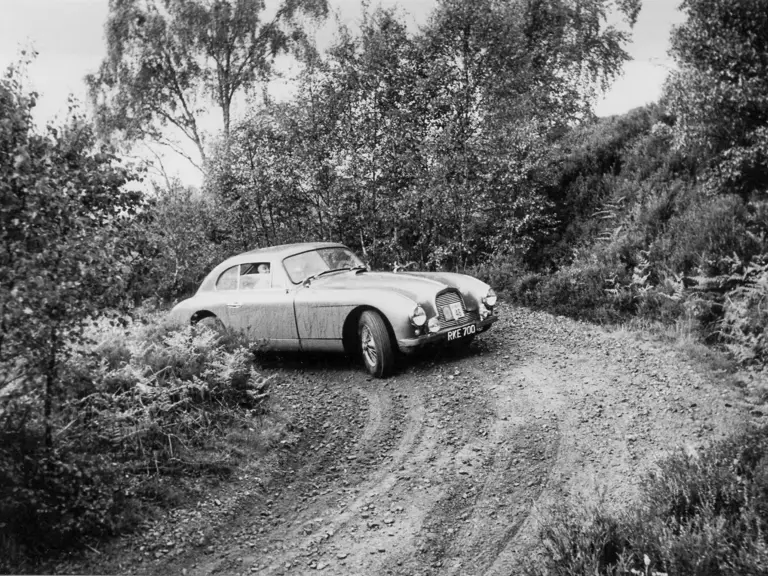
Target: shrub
[[180, 245], [745, 315], [698, 514], [704, 230], [55, 497], [136, 403], [501, 273], [578, 291], [581, 541]]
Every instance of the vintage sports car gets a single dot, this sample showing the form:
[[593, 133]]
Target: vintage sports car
[[320, 296]]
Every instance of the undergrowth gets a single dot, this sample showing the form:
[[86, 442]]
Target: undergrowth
[[136, 405], [698, 514], [641, 234]]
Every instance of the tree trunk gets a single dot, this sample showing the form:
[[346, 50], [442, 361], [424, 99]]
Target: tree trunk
[[50, 381]]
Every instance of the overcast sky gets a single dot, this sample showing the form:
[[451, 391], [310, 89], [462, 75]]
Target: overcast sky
[[69, 37]]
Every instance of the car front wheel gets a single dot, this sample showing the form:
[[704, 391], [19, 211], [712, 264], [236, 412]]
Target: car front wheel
[[375, 345]]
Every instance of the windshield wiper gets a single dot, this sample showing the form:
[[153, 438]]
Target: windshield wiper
[[309, 279]]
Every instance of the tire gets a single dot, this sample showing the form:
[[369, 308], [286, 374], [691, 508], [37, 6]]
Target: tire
[[376, 347], [213, 323]]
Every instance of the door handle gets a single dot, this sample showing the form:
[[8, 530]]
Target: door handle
[[234, 305]]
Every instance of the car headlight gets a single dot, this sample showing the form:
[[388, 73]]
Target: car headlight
[[490, 298], [433, 325], [418, 316]]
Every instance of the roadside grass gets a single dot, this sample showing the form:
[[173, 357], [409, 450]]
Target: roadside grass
[[699, 514], [146, 415]]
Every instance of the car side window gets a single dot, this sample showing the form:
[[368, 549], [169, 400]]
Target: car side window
[[255, 276], [228, 279]]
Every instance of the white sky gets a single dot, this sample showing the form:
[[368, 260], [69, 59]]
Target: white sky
[[69, 37]]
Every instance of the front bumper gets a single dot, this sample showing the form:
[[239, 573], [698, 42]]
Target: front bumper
[[408, 345]]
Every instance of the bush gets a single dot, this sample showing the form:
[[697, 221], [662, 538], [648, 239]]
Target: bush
[[181, 245], [699, 514], [745, 315], [138, 402], [704, 230], [56, 497], [578, 291]]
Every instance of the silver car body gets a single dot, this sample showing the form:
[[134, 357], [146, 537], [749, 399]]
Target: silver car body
[[321, 314]]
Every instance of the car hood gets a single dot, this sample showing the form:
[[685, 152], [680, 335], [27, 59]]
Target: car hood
[[417, 288]]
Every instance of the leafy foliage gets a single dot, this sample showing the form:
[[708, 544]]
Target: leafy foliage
[[138, 403], [699, 514], [182, 243], [745, 312], [639, 234], [67, 225], [168, 59], [718, 95], [420, 148]]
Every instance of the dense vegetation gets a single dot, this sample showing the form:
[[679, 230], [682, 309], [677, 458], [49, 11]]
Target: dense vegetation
[[663, 213], [468, 145], [96, 409], [700, 514]]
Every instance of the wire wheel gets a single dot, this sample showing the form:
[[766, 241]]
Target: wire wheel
[[375, 344]]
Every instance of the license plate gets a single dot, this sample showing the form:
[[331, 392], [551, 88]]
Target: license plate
[[462, 332]]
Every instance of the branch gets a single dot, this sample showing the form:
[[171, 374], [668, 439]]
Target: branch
[[159, 160], [190, 117], [175, 148]]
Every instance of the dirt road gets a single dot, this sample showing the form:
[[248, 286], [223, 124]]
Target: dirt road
[[445, 468]]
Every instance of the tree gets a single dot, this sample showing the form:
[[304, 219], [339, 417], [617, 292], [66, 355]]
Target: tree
[[421, 147], [719, 93], [167, 59], [505, 75], [67, 234]]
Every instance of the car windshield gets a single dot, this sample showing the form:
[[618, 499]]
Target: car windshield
[[316, 262]]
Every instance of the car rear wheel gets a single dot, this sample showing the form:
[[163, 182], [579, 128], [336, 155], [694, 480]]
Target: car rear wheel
[[213, 323], [375, 345]]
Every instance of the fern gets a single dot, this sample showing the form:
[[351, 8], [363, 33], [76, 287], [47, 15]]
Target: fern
[[745, 313]]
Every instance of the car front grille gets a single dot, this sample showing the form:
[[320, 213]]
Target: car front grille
[[451, 297]]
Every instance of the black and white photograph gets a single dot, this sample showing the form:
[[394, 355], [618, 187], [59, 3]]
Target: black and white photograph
[[384, 287]]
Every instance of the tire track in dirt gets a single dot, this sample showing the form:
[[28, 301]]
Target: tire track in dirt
[[495, 483], [311, 466], [391, 428], [347, 521]]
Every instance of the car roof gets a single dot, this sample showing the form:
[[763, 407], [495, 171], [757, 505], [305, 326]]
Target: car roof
[[270, 253], [285, 250]]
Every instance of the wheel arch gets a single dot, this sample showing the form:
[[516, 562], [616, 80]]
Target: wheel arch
[[201, 315], [349, 331]]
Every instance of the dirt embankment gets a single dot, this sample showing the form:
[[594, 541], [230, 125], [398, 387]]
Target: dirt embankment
[[445, 468]]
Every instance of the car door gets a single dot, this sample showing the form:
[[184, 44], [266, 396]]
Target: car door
[[262, 307], [320, 316]]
